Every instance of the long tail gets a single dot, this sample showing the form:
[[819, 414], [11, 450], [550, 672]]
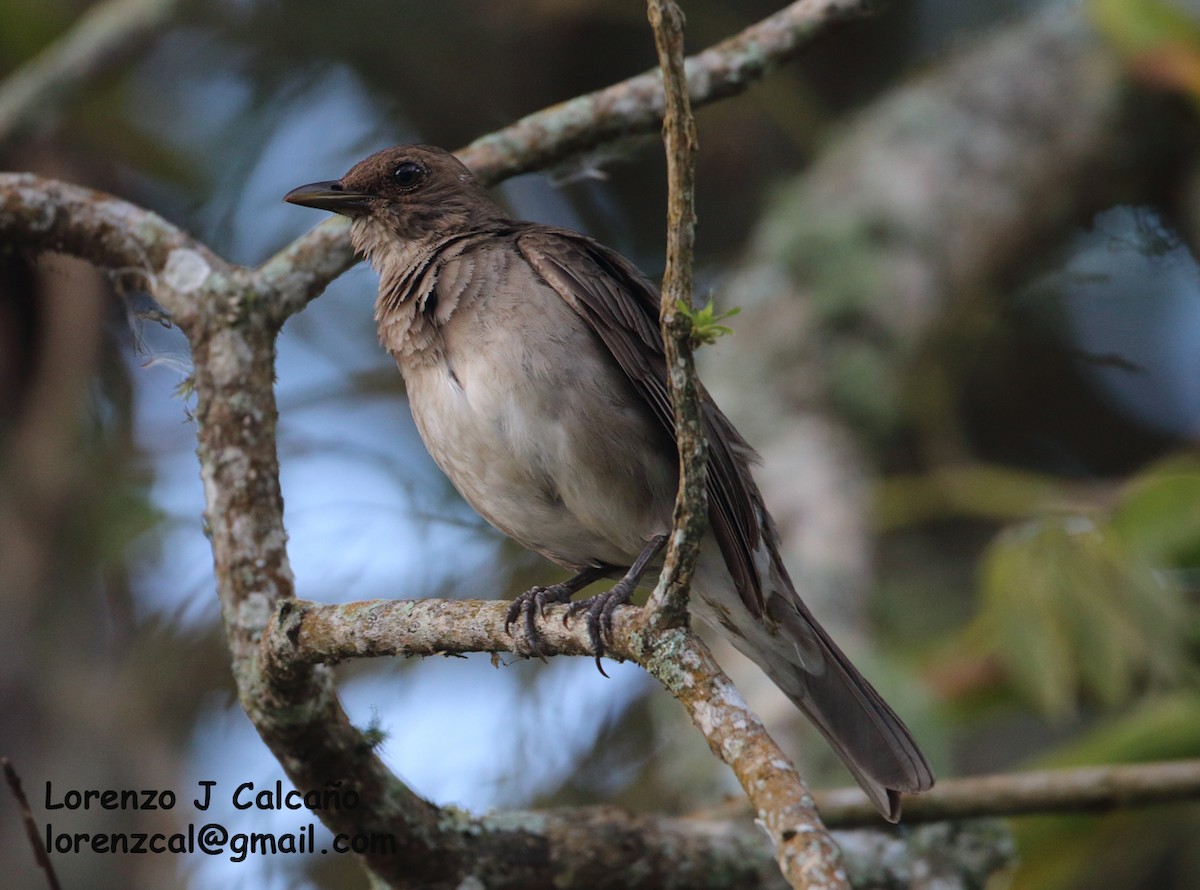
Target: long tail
[[865, 732], [804, 662]]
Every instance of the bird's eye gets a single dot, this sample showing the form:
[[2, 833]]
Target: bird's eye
[[408, 174]]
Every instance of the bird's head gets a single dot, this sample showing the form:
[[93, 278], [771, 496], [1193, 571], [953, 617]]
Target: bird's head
[[410, 193]]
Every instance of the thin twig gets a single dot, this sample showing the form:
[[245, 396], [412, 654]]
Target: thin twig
[[101, 38], [31, 827], [806, 854], [669, 603]]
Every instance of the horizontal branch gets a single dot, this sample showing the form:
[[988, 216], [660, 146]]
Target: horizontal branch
[[1091, 789], [313, 633], [317, 633], [306, 633], [554, 134]]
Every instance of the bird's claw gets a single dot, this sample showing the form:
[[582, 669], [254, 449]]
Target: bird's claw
[[600, 609], [530, 604]]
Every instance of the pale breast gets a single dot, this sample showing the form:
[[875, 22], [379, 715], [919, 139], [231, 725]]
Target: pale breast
[[532, 420]]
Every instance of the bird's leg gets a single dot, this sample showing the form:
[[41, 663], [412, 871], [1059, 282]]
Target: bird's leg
[[533, 602], [600, 607]]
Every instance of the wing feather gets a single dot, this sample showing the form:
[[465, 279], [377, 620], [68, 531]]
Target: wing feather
[[622, 306]]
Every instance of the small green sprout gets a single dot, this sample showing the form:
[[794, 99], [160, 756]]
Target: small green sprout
[[706, 322], [374, 735], [186, 387]]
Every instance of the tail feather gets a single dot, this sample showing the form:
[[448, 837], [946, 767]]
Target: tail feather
[[865, 732], [807, 665]]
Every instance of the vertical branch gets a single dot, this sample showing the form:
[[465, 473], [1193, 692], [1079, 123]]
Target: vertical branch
[[668, 604], [294, 708], [804, 850]]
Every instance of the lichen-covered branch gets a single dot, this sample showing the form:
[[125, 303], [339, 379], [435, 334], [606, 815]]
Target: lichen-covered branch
[[294, 708], [140, 248], [313, 633], [562, 131], [945, 856], [227, 316], [806, 854], [103, 35], [635, 106], [668, 605], [308, 633]]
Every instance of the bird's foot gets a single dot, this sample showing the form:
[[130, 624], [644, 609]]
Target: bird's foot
[[531, 604], [599, 610]]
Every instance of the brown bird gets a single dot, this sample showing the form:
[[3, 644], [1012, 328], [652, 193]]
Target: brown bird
[[534, 367]]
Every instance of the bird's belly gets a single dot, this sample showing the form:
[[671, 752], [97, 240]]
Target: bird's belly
[[560, 457]]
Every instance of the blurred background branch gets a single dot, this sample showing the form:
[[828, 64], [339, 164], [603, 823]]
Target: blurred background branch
[[105, 36], [1077, 790]]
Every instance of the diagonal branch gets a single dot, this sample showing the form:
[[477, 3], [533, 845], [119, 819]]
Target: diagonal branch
[[635, 106], [103, 36], [306, 634], [29, 822]]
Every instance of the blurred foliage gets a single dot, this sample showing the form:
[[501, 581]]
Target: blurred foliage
[[1159, 39], [1156, 517], [1087, 611], [984, 491], [1152, 847], [1072, 614], [24, 31], [1081, 608]]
